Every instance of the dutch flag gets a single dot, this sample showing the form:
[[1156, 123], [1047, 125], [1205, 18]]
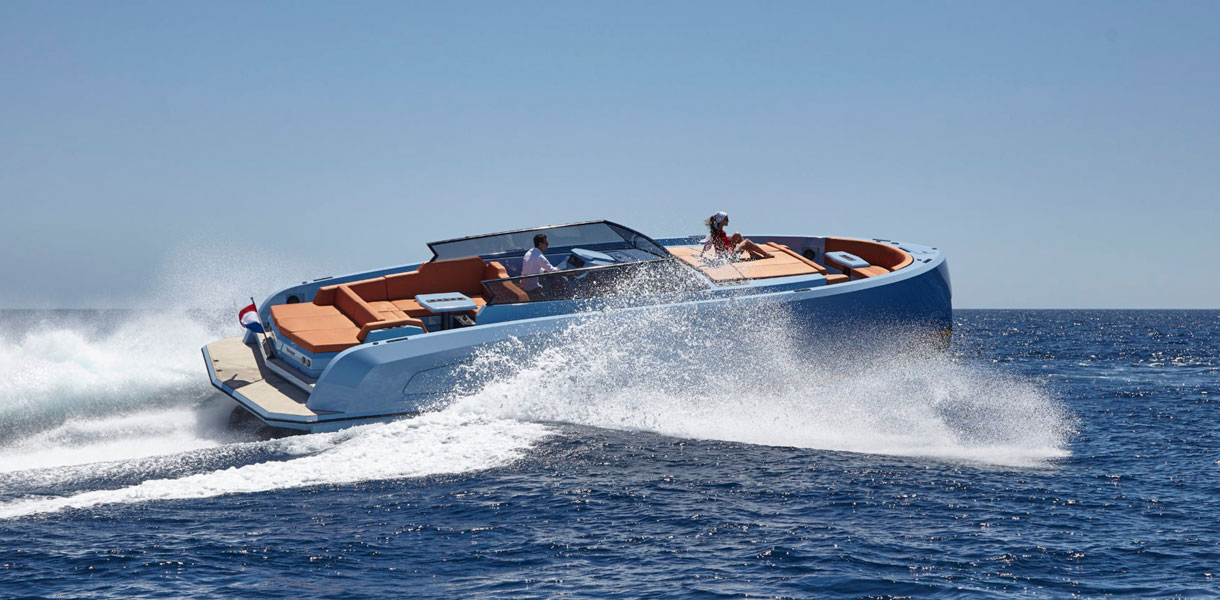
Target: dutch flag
[[248, 317]]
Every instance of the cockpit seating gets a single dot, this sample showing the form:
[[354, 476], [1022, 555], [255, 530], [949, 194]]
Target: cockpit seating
[[343, 315]]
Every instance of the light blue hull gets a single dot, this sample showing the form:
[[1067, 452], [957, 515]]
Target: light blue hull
[[404, 376]]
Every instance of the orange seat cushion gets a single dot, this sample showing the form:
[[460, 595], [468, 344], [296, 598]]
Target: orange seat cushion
[[386, 310], [326, 340], [325, 295], [354, 306], [315, 328], [342, 315], [298, 324], [494, 270], [411, 308], [463, 275], [283, 311], [369, 289]]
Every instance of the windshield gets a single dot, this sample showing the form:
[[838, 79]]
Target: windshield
[[601, 236], [647, 278]]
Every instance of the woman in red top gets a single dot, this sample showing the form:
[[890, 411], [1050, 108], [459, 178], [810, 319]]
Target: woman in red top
[[726, 246]]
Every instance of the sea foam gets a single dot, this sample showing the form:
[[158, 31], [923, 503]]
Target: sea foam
[[429, 445], [759, 379]]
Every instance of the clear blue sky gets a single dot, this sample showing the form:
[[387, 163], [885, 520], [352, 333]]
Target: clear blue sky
[[1064, 154]]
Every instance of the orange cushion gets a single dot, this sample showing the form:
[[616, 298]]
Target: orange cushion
[[464, 275], [326, 340], [507, 290], [333, 328], [369, 289], [494, 270], [298, 324], [411, 308], [315, 328], [284, 311], [325, 295], [386, 310], [453, 275], [354, 307], [400, 285]]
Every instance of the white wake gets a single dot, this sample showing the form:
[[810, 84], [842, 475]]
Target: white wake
[[429, 445]]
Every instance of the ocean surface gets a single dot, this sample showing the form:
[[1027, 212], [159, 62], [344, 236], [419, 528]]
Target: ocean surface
[[1047, 454]]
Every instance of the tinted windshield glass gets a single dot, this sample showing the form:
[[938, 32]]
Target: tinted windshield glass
[[654, 277], [592, 236]]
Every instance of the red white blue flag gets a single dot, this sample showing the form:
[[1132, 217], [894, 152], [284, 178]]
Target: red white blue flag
[[248, 317]]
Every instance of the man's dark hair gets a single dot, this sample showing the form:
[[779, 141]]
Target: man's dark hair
[[539, 239]]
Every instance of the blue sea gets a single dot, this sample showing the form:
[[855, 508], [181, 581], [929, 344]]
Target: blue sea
[[1046, 454]]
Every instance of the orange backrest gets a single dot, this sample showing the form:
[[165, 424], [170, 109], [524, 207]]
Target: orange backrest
[[326, 295], [453, 275], [463, 275], [371, 290], [494, 270], [400, 286], [877, 254], [354, 307]]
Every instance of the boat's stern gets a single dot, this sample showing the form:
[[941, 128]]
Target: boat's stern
[[272, 394]]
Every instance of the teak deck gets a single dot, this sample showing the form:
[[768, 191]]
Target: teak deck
[[243, 370]]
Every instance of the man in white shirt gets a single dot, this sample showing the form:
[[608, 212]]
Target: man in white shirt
[[534, 263]]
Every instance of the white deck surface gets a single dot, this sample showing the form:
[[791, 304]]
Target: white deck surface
[[242, 369]]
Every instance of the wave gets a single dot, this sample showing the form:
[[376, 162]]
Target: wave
[[54, 373], [124, 437], [760, 380], [67, 369]]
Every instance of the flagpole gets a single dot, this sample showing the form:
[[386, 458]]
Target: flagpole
[[269, 350]]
